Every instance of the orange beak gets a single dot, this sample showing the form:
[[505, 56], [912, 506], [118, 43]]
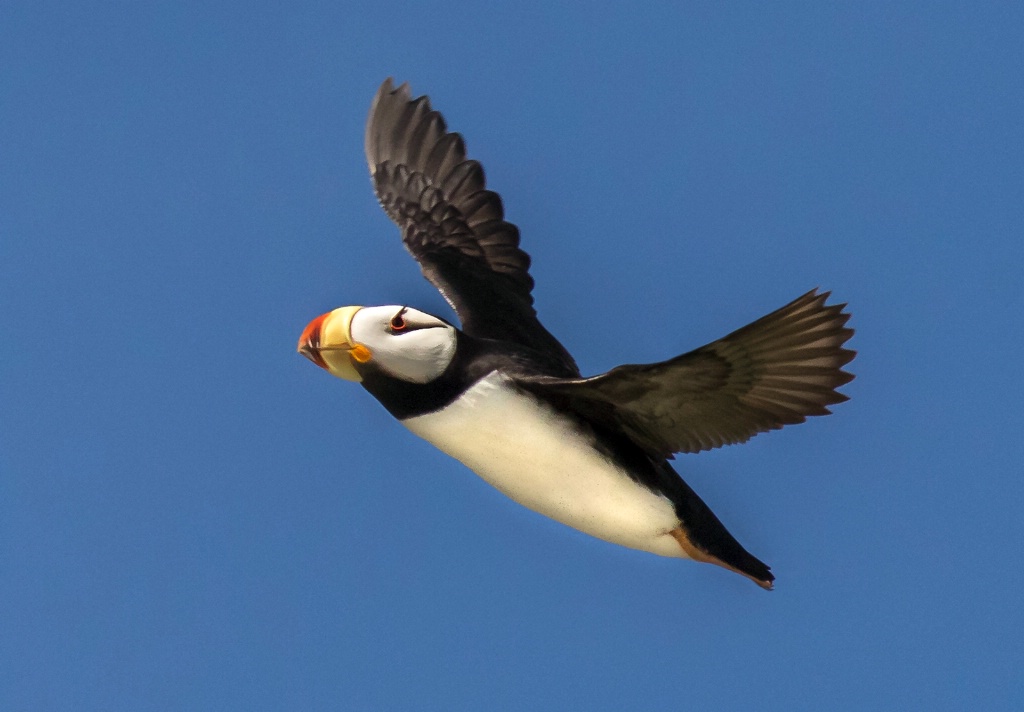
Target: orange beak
[[309, 342]]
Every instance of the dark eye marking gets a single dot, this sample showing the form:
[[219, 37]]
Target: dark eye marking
[[398, 322]]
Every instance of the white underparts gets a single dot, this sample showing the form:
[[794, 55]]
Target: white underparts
[[542, 460]]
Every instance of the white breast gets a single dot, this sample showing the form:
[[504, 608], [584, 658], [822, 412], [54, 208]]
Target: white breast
[[541, 460]]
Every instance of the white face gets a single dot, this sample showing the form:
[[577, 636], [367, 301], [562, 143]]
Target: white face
[[404, 342]]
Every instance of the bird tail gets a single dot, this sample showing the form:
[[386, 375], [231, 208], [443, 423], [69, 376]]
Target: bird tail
[[704, 538]]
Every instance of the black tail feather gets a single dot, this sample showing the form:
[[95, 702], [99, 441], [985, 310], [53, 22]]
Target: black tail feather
[[704, 538]]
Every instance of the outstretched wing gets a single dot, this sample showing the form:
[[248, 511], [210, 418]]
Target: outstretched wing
[[451, 224], [776, 371]]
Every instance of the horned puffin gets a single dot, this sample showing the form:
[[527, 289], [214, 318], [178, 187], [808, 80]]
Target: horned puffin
[[505, 398]]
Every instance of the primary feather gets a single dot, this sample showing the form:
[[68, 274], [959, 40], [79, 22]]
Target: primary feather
[[773, 372], [452, 225]]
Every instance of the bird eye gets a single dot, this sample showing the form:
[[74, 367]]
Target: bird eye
[[397, 322]]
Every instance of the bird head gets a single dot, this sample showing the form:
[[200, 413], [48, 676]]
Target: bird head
[[401, 342]]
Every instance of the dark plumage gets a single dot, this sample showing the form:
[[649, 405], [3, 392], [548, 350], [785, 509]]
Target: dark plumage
[[774, 372], [453, 225]]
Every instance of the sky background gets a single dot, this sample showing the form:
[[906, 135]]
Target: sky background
[[193, 517]]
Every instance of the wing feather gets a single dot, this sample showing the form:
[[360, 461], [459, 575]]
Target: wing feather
[[776, 371], [452, 225]]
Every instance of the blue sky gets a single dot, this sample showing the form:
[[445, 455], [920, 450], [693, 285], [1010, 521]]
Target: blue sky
[[192, 517]]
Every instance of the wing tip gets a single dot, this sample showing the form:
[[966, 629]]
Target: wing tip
[[384, 109]]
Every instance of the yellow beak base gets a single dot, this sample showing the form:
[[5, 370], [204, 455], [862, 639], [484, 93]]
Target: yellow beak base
[[327, 342]]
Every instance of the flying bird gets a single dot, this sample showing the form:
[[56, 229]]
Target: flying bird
[[504, 397]]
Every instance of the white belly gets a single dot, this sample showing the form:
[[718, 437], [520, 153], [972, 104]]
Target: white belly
[[538, 458]]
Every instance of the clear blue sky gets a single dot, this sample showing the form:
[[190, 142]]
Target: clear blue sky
[[192, 517]]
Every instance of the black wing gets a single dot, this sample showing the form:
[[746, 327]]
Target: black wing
[[452, 224], [773, 372]]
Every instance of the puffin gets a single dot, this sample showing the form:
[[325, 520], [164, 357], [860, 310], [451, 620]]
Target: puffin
[[501, 395]]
